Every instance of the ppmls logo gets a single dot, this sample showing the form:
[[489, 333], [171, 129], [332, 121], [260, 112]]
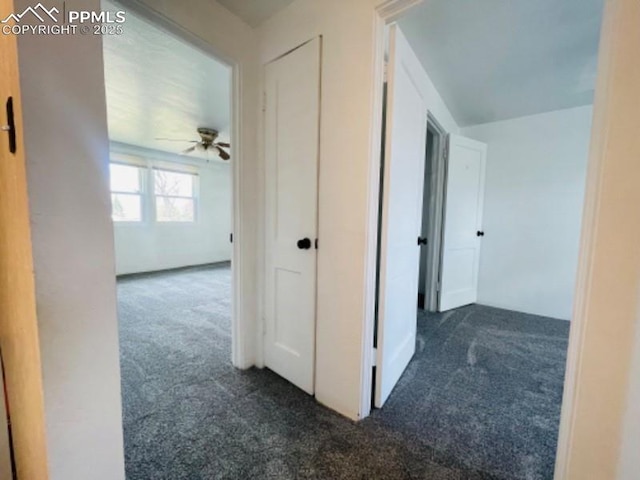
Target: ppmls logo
[[37, 21], [34, 11]]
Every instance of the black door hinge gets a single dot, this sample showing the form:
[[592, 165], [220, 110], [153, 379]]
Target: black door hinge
[[231, 238], [316, 243], [10, 127]]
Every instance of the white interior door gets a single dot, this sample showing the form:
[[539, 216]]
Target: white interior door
[[405, 150], [462, 222], [292, 112]]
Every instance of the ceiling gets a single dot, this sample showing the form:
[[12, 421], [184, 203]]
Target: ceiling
[[254, 12], [498, 59], [160, 86]]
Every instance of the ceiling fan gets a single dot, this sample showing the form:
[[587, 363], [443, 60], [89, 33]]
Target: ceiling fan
[[206, 143]]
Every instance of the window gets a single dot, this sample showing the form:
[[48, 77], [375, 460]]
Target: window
[[126, 193], [143, 192], [174, 196]]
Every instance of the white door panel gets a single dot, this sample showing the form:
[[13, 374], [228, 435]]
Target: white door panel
[[406, 131], [292, 111], [462, 222]]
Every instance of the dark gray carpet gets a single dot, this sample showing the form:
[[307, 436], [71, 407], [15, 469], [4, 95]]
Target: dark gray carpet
[[481, 399]]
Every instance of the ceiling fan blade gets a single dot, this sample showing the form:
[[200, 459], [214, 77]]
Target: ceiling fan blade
[[223, 155], [175, 140], [223, 144], [188, 150]]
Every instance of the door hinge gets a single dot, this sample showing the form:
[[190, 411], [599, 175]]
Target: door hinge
[[316, 243], [10, 127], [374, 357], [231, 238], [438, 287], [264, 102], [385, 72]]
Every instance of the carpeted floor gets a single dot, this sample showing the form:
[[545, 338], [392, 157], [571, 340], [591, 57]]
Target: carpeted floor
[[480, 400]]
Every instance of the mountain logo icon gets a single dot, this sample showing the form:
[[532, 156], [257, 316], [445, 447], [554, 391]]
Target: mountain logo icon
[[39, 11]]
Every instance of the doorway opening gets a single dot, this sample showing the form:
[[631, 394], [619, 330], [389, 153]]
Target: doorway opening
[[495, 285], [432, 216], [173, 176]]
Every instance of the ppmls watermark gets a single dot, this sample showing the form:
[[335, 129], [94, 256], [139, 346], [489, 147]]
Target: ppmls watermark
[[40, 20]]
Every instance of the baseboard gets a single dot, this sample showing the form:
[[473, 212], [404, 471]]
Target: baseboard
[[510, 308], [123, 276]]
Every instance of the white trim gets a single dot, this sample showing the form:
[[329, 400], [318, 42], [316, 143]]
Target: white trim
[[133, 155], [174, 167], [435, 230], [391, 10], [241, 356], [384, 14], [588, 248], [127, 159], [240, 326]]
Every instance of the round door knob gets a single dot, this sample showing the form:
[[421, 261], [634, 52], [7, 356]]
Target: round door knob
[[480, 234], [304, 244]]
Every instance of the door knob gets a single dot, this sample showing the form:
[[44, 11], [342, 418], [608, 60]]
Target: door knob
[[422, 240], [480, 234], [304, 244]]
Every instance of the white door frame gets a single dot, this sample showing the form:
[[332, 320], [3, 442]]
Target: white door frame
[[435, 228], [242, 354], [386, 13]]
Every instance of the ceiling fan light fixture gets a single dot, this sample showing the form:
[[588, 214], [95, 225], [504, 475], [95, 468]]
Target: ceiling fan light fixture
[[207, 142]]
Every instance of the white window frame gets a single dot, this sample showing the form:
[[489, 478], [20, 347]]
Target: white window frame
[[146, 168], [142, 178], [195, 194]]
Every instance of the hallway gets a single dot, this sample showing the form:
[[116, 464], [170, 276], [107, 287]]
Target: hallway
[[480, 400]]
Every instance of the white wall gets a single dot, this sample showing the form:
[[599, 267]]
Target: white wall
[[535, 184], [437, 107], [150, 246], [433, 99], [67, 151]]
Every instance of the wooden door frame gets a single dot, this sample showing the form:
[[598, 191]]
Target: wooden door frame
[[567, 449], [20, 349], [242, 328]]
